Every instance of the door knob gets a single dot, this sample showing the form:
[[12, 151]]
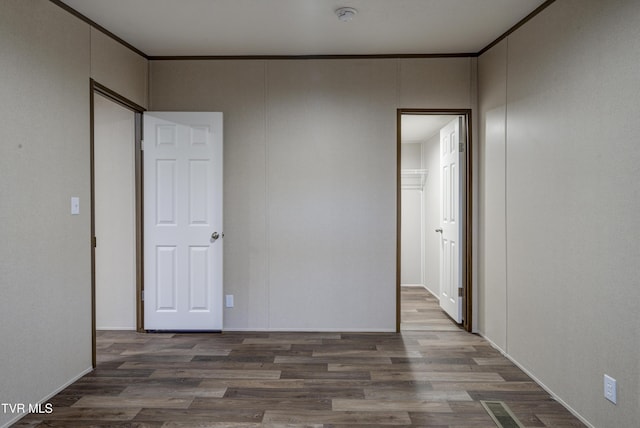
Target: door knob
[[215, 235], [439, 230]]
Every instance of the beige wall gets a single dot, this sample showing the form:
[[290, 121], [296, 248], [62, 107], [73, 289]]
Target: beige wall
[[310, 169], [559, 101], [44, 160], [492, 259], [45, 272], [118, 68]]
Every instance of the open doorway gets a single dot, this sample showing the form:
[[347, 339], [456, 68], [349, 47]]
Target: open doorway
[[115, 227], [433, 252], [116, 212]]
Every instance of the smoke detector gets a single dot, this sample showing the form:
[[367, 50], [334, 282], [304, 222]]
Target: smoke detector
[[346, 14]]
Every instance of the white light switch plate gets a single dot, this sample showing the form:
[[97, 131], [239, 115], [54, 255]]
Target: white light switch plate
[[75, 205]]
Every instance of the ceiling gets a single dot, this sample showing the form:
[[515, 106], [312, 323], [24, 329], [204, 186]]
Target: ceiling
[[305, 27], [418, 128]]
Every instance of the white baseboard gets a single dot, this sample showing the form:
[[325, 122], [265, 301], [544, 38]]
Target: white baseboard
[[536, 380]]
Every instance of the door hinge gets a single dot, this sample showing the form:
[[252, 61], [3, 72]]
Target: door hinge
[[461, 146], [460, 292], [94, 242], [142, 145], [142, 295]]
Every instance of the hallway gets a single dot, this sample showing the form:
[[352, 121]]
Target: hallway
[[420, 311]]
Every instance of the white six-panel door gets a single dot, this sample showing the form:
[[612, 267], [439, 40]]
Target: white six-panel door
[[451, 162], [182, 221]]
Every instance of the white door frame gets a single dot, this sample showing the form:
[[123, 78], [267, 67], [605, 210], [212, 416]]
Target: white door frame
[[466, 187], [96, 87]]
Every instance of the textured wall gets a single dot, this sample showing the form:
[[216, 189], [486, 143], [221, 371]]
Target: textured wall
[[44, 160], [492, 266], [310, 179], [45, 269], [571, 163], [119, 68]]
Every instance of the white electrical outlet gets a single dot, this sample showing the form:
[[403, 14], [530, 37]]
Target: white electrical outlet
[[610, 389], [228, 299]]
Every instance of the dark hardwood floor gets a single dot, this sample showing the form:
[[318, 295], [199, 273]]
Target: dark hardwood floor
[[433, 374]]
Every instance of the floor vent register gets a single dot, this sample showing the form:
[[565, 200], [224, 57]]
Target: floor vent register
[[501, 414]]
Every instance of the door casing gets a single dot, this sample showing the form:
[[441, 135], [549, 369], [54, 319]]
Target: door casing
[[466, 186]]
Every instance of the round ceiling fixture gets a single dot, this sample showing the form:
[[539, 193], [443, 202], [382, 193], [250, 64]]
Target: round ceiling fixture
[[346, 14]]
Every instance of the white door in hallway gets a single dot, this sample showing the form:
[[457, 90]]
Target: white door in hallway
[[183, 221], [452, 141]]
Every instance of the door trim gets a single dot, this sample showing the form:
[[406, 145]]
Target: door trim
[[467, 303], [98, 88]]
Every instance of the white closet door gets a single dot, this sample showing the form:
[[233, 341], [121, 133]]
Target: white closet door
[[183, 221]]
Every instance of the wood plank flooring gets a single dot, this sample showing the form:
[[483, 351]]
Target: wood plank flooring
[[431, 375], [420, 311]]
